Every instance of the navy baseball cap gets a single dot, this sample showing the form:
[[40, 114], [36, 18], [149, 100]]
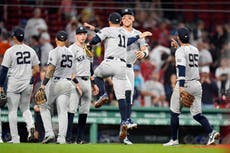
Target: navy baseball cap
[[115, 17], [18, 33], [127, 11], [61, 36], [183, 34], [81, 29]]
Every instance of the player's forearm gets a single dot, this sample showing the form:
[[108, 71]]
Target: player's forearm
[[181, 75], [49, 74]]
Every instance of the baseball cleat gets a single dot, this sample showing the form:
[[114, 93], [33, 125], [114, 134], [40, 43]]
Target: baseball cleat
[[212, 137], [31, 134], [101, 101], [123, 131], [127, 141], [49, 139], [171, 143], [131, 124]]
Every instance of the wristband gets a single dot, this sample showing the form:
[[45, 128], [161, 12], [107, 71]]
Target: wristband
[[45, 81], [75, 81]]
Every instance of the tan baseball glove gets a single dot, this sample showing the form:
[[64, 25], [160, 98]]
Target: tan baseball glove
[[186, 99], [40, 97], [89, 50]]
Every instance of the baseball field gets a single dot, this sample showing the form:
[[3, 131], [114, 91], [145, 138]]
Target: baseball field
[[110, 148]]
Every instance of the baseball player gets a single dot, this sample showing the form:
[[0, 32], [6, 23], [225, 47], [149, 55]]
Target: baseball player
[[114, 64], [59, 70], [83, 72], [187, 79], [21, 63], [136, 50]]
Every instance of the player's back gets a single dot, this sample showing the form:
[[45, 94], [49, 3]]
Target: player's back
[[82, 61], [188, 56], [62, 59], [115, 41], [20, 59]]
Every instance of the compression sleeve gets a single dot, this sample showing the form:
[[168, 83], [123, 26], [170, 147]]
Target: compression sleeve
[[95, 40], [3, 74], [181, 75]]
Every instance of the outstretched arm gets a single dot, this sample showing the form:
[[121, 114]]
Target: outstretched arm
[[135, 38]]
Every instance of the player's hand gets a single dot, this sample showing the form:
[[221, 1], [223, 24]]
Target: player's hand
[[91, 27], [174, 44], [95, 90], [1, 89], [43, 87], [78, 88], [145, 34], [181, 89], [140, 54]]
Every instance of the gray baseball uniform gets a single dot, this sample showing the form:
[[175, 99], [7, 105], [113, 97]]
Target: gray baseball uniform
[[58, 89], [131, 57], [114, 63], [188, 56], [19, 59], [82, 72]]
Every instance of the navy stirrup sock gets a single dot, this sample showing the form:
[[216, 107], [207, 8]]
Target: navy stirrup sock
[[70, 126], [128, 101], [174, 125], [122, 108], [203, 121], [81, 126], [101, 85]]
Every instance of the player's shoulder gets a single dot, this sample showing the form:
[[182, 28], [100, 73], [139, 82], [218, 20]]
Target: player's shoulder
[[136, 31]]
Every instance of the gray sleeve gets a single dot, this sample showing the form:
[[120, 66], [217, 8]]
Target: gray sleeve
[[52, 58], [35, 60], [7, 60], [103, 33]]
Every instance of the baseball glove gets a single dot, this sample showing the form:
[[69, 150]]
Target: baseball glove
[[3, 99], [40, 97], [89, 50], [186, 99]]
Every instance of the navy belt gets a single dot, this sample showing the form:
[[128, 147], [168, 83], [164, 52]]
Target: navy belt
[[110, 57], [129, 65], [58, 78], [84, 78]]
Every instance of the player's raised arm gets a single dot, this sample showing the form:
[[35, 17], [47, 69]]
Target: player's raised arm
[[140, 36]]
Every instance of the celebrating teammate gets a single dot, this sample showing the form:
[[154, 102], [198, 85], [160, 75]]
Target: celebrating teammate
[[114, 65], [60, 65], [21, 63], [83, 73], [187, 80], [136, 50]]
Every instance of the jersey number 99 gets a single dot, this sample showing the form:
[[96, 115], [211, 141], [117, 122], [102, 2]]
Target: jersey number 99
[[23, 57]]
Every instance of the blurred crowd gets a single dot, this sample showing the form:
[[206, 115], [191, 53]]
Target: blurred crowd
[[155, 76]]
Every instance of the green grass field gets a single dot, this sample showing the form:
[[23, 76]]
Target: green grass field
[[109, 148]]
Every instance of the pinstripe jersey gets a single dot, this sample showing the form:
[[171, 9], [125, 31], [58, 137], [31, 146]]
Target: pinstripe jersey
[[131, 49], [115, 41], [82, 61], [19, 59], [62, 59], [188, 56]]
